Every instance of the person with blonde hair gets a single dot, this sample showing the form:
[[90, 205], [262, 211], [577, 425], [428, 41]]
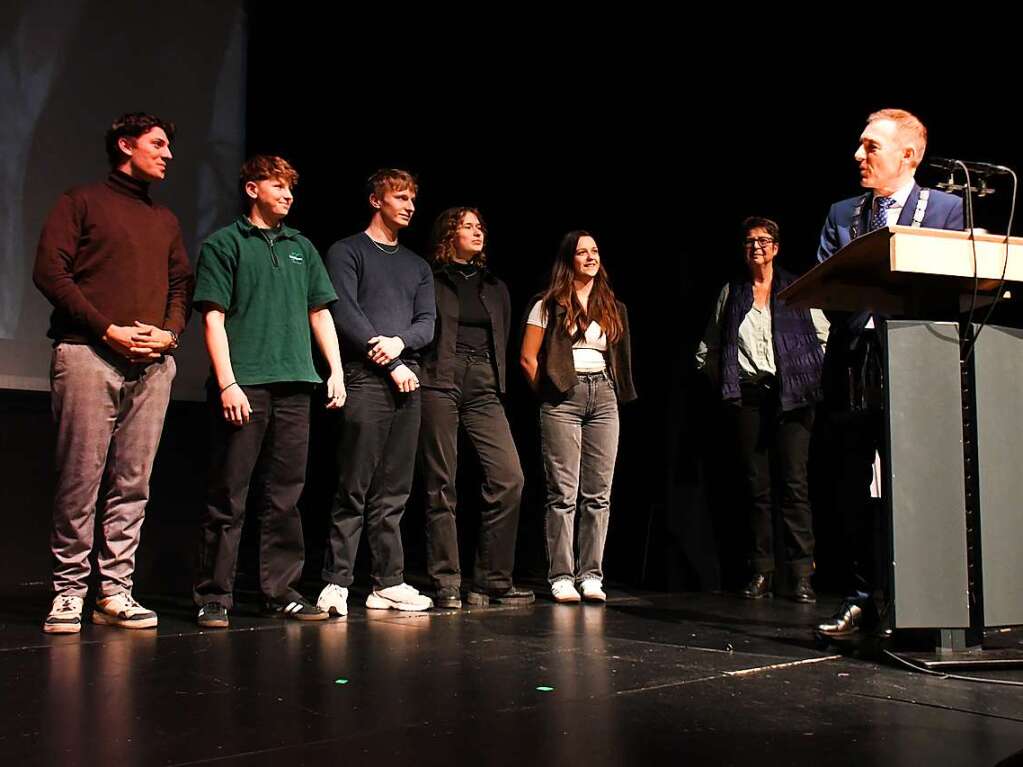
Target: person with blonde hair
[[384, 315]]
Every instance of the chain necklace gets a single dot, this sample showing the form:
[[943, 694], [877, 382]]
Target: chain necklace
[[380, 247], [463, 273]]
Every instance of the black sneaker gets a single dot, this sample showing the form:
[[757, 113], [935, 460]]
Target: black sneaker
[[295, 609], [513, 595], [447, 597], [212, 615]]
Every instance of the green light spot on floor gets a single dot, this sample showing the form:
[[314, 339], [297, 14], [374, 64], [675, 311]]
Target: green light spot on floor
[[543, 688], [340, 681]]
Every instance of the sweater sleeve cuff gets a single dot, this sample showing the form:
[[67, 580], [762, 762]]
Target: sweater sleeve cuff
[[174, 324], [98, 323]]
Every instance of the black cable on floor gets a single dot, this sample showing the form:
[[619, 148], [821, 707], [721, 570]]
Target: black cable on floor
[[943, 675]]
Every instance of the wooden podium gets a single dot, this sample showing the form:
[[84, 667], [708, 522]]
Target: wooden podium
[[904, 270], [953, 489]]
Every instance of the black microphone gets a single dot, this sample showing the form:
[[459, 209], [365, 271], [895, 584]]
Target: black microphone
[[980, 168]]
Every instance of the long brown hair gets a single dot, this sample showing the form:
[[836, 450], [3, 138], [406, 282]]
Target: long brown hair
[[601, 306], [445, 229]]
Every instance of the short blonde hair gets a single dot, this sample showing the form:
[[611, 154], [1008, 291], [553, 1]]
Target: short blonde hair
[[910, 129], [391, 180]]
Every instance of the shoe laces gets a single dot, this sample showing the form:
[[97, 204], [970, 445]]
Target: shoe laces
[[67, 604]]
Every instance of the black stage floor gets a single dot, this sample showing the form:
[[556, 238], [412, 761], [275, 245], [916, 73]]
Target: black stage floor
[[692, 679]]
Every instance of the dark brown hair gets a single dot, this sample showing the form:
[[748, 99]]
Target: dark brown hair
[[601, 308]]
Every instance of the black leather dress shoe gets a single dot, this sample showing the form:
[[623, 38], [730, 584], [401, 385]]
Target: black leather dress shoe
[[851, 619], [803, 592], [510, 596], [759, 587], [447, 597]]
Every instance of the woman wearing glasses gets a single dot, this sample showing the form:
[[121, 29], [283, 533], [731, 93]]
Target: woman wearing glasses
[[462, 378], [575, 354], [766, 359]]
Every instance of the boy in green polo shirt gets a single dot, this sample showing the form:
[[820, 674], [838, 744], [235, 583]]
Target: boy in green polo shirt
[[261, 288]]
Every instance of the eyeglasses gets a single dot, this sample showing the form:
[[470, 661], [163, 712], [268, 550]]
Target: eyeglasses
[[763, 242]]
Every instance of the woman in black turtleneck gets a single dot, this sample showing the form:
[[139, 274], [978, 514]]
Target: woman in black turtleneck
[[462, 378]]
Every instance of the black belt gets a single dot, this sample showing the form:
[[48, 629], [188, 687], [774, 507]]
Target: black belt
[[478, 354]]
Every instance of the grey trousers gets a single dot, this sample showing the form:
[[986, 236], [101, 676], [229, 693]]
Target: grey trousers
[[580, 444], [109, 416], [474, 404]]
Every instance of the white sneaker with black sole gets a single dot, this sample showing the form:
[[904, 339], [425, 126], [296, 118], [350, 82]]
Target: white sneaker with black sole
[[400, 597], [123, 611], [65, 615]]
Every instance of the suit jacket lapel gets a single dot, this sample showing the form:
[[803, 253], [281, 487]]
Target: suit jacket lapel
[[909, 209], [860, 226]]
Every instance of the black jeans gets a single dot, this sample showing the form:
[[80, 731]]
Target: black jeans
[[376, 458], [769, 437], [276, 440], [473, 403]]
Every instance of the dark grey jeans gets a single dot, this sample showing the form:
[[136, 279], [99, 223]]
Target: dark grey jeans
[[376, 457], [579, 437], [109, 416], [473, 403]]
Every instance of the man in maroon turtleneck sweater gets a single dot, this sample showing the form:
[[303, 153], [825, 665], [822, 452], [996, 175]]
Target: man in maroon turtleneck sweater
[[112, 263]]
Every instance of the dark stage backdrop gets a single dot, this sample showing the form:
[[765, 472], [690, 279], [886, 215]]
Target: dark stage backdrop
[[660, 152]]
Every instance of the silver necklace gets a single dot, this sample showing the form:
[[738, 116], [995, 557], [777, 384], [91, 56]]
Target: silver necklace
[[465, 275], [382, 249]]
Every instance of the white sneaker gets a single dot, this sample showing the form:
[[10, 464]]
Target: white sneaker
[[564, 592], [122, 610], [65, 615], [333, 600], [593, 591], [400, 597]]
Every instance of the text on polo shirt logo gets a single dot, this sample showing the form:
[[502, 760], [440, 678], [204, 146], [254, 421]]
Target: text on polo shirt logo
[[296, 257]]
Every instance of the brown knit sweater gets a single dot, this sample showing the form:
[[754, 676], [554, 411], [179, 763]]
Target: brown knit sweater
[[108, 255]]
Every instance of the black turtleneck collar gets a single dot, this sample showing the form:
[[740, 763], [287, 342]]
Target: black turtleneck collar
[[467, 271], [131, 187]]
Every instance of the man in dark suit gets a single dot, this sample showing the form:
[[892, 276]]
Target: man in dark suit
[[889, 152]]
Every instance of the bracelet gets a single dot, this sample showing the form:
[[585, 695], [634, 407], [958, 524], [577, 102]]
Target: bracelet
[[233, 383]]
